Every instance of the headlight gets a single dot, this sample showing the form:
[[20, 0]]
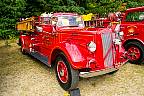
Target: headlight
[[91, 46], [117, 41], [121, 33]]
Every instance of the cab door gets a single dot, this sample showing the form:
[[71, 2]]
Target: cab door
[[48, 40], [36, 39], [133, 25], [49, 36]]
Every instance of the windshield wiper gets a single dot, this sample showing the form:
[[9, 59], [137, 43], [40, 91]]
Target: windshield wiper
[[73, 26]]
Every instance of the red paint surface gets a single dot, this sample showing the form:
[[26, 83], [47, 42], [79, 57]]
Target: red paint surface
[[133, 30]]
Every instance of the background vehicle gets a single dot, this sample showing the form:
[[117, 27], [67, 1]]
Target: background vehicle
[[61, 40], [132, 25], [94, 20]]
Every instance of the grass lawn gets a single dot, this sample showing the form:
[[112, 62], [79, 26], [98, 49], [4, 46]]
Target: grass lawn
[[22, 75]]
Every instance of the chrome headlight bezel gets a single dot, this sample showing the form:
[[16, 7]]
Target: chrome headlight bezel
[[91, 46], [121, 33], [117, 41]]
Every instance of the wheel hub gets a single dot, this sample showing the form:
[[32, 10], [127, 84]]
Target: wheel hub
[[62, 72], [134, 53]]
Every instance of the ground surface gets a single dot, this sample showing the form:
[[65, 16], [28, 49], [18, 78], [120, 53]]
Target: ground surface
[[22, 75]]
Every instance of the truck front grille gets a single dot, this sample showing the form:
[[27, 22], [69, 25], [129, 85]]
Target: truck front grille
[[107, 49]]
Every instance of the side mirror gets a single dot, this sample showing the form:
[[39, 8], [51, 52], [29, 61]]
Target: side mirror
[[39, 29], [141, 17]]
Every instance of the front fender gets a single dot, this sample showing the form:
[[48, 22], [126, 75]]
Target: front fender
[[73, 54], [132, 40]]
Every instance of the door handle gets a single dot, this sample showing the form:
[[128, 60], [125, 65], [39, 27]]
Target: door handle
[[122, 27], [45, 36], [32, 38], [48, 33]]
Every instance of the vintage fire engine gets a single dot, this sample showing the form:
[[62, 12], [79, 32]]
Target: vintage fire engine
[[132, 24], [61, 40]]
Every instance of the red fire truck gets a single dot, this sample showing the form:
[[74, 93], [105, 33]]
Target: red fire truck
[[132, 25], [62, 41]]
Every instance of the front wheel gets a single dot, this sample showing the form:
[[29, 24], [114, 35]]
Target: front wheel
[[135, 52], [67, 77]]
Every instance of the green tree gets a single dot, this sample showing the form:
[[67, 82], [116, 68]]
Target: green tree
[[12, 10]]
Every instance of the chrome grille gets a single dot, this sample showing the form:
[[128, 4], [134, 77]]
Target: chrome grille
[[107, 51]]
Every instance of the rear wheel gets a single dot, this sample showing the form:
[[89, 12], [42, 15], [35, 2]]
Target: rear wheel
[[67, 77], [135, 52], [19, 42], [23, 50]]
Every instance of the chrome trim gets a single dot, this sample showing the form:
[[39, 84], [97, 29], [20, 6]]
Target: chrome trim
[[107, 43], [135, 39], [103, 71], [96, 73]]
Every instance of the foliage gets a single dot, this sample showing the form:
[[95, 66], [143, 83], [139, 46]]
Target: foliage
[[12, 10]]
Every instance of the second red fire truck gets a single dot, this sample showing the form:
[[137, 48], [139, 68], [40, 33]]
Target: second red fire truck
[[131, 23]]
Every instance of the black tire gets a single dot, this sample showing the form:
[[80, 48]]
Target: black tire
[[140, 47], [113, 72], [19, 42], [23, 50], [73, 75]]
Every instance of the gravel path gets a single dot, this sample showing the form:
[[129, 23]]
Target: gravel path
[[22, 75]]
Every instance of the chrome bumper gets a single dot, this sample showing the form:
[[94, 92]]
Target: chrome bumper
[[101, 72], [96, 73]]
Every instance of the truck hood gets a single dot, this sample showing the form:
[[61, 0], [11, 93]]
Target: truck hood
[[83, 30]]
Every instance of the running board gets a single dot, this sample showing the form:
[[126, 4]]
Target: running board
[[40, 57]]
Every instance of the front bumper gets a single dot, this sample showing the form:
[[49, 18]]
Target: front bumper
[[101, 72], [96, 73]]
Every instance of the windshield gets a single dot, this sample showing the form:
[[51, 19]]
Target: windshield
[[135, 16], [70, 21]]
